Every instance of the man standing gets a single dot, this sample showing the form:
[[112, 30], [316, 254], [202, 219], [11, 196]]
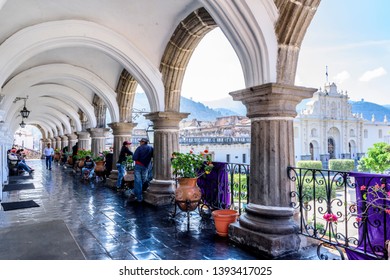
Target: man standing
[[49, 153], [142, 158], [121, 163]]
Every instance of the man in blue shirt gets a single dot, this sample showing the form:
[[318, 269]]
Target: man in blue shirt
[[142, 158], [49, 153]]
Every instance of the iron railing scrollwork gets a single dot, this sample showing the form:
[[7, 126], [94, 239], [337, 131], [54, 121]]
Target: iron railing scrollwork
[[342, 210]]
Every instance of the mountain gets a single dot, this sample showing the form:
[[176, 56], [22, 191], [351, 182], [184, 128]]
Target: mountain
[[197, 110], [369, 109], [211, 110], [230, 106]]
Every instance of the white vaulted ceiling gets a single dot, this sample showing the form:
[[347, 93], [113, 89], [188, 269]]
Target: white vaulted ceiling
[[61, 53]]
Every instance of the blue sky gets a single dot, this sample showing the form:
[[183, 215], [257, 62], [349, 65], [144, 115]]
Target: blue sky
[[350, 37]]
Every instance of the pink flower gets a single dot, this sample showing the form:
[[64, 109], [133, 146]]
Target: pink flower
[[363, 188], [387, 211], [330, 217]]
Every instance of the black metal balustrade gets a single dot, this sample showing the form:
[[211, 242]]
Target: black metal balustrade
[[347, 212], [239, 185], [226, 187]]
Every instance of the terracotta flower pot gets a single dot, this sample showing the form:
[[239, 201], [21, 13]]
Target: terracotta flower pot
[[100, 166], [222, 219], [187, 194]]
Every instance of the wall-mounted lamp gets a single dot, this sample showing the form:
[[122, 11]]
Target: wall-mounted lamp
[[24, 112]]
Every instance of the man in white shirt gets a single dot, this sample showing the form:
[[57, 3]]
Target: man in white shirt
[[49, 153]]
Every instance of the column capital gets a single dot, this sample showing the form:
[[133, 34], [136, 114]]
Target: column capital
[[167, 120], [272, 99], [83, 135], [98, 132], [71, 136], [122, 128]]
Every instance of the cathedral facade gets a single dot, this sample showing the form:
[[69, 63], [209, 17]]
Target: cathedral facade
[[327, 129]]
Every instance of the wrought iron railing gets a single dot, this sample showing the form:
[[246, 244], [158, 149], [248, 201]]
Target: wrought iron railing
[[225, 187], [239, 185], [345, 211]]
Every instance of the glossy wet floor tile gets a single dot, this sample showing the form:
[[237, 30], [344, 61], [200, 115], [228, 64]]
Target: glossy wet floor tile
[[106, 226]]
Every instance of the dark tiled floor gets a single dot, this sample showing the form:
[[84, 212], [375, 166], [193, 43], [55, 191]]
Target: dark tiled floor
[[106, 226]]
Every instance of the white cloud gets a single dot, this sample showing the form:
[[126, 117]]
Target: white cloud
[[342, 77], [370, 75]]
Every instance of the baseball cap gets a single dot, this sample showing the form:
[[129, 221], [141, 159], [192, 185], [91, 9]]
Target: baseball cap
[[146, 140], [126, 143]]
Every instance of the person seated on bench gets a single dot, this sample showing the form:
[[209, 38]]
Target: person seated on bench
[[89, 165], [22, 163]]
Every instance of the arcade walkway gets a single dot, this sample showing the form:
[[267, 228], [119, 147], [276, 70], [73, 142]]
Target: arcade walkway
[[106, 226]]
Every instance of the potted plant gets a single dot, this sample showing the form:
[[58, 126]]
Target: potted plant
[[187, 168], [99, 161], [57, 154], [81, 154], [129, 165]]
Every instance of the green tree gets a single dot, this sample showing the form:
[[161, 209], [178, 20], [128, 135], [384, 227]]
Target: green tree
[[377, 158]]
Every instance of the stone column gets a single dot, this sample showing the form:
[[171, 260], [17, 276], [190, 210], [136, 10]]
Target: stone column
[[268, 224], [72, 140], [121, 132], [166, 141], [98, 139], [64, 142], [84, 140], [53, 142], [58, 143]]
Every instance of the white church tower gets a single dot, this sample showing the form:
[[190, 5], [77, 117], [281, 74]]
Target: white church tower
[[327, 129]]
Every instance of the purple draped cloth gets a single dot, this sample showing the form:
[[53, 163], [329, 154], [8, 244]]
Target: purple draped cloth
[[374, 229], [215, 187]]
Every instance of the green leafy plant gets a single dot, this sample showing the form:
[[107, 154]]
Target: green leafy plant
[[129, 163], [99, 157], [312, 164], [377, 158], [83, 153], [342, 164], [190, 165]]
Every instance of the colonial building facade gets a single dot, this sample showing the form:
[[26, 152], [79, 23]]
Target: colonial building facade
[[325, 129]]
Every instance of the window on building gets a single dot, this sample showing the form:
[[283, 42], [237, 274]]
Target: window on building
[[365, 133], [228, 158], [243, 158], [380, 133]]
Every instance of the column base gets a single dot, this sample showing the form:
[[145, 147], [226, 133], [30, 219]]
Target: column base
[[160, 192], [271, 231], [112, 178]]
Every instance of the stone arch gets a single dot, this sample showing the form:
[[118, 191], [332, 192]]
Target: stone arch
[[42, 37], [333, 140], [291, 26], [352, 148], [125, 90], [65, 109], [46, 73], [257, 49], [178, 52], [314, 150]]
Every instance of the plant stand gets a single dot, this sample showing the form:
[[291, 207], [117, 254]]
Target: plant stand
[[188, 209]]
